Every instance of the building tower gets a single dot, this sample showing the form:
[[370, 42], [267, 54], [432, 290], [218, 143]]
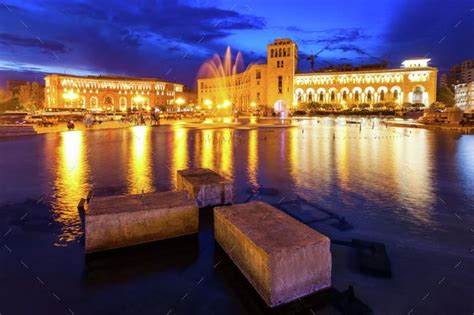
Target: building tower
[[282, 61]]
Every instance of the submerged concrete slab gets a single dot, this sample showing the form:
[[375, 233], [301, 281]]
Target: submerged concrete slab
[[206, 186], [281, 257], [125, 220]]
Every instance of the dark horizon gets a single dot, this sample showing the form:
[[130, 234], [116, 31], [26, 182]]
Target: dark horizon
[[171, 39]]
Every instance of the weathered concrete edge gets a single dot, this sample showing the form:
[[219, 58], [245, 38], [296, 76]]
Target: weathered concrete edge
[[128, 244], [218, 216]]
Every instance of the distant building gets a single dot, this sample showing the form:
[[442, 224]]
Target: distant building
[[108, 92], [458, 74], [277, 84], [464, 95]]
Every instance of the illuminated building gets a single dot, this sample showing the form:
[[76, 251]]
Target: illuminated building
[[277, 84], [464, 95], [458, 74], [108, 93]]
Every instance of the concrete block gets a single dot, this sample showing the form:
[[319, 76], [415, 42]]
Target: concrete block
[[125, 220], [281, 257], [206, 186]]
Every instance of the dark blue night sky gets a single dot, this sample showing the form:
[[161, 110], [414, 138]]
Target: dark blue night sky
[[170, 39]]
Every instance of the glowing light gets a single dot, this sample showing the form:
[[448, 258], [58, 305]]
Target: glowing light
[[253, 104], [208, 103], [140, 178], [70, 96], [226, 104], [180, 101], [70, 184], [138, 99]]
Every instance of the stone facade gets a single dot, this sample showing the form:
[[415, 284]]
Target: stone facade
[[277, 84], [108, 93]]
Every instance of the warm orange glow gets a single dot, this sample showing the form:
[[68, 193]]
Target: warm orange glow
[[71, 184], [140, 177], [180, 101]]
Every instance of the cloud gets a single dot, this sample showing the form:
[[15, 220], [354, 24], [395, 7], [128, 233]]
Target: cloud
[[8, 39], [336, 35]]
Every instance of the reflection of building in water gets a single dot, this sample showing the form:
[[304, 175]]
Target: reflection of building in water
[[179, 159], [226, 152], [277, 83], [108, 93], [207, 149], [71, 184], [140, 178], [253, 158]]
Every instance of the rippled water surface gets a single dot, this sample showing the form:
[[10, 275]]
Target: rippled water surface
[[402, 186]]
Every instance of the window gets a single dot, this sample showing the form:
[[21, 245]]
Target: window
[[344, 96], [310, 97], [333, 96], [281, 64], [321, 96], [395, 95], [258, 75], [356, 96], [288, 52], [369, 96], [279, 52], [382, 95], [280, 84], [258, 96]]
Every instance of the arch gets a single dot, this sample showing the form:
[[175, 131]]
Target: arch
[[417, 94], [299, 94], [310, 94], [345, 93], [395, 88], [369, 88], [382, 93], [332, 94]]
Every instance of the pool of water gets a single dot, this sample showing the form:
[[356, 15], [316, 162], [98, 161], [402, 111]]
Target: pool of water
[[412, 189]]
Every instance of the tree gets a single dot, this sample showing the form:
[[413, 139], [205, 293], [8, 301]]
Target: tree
[[31, 96], [7, 101], [445, 96]]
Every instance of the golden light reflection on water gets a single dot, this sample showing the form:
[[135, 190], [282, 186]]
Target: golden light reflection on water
[[411, 174], [253, 158], [179, 158], [207, 148], [226, 152], [140, 176], [70, 184]]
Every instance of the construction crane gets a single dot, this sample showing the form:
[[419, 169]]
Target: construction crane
[[312, 57], [383, 61]]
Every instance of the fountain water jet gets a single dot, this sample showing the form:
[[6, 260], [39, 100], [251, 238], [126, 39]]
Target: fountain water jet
[[224, 74]]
